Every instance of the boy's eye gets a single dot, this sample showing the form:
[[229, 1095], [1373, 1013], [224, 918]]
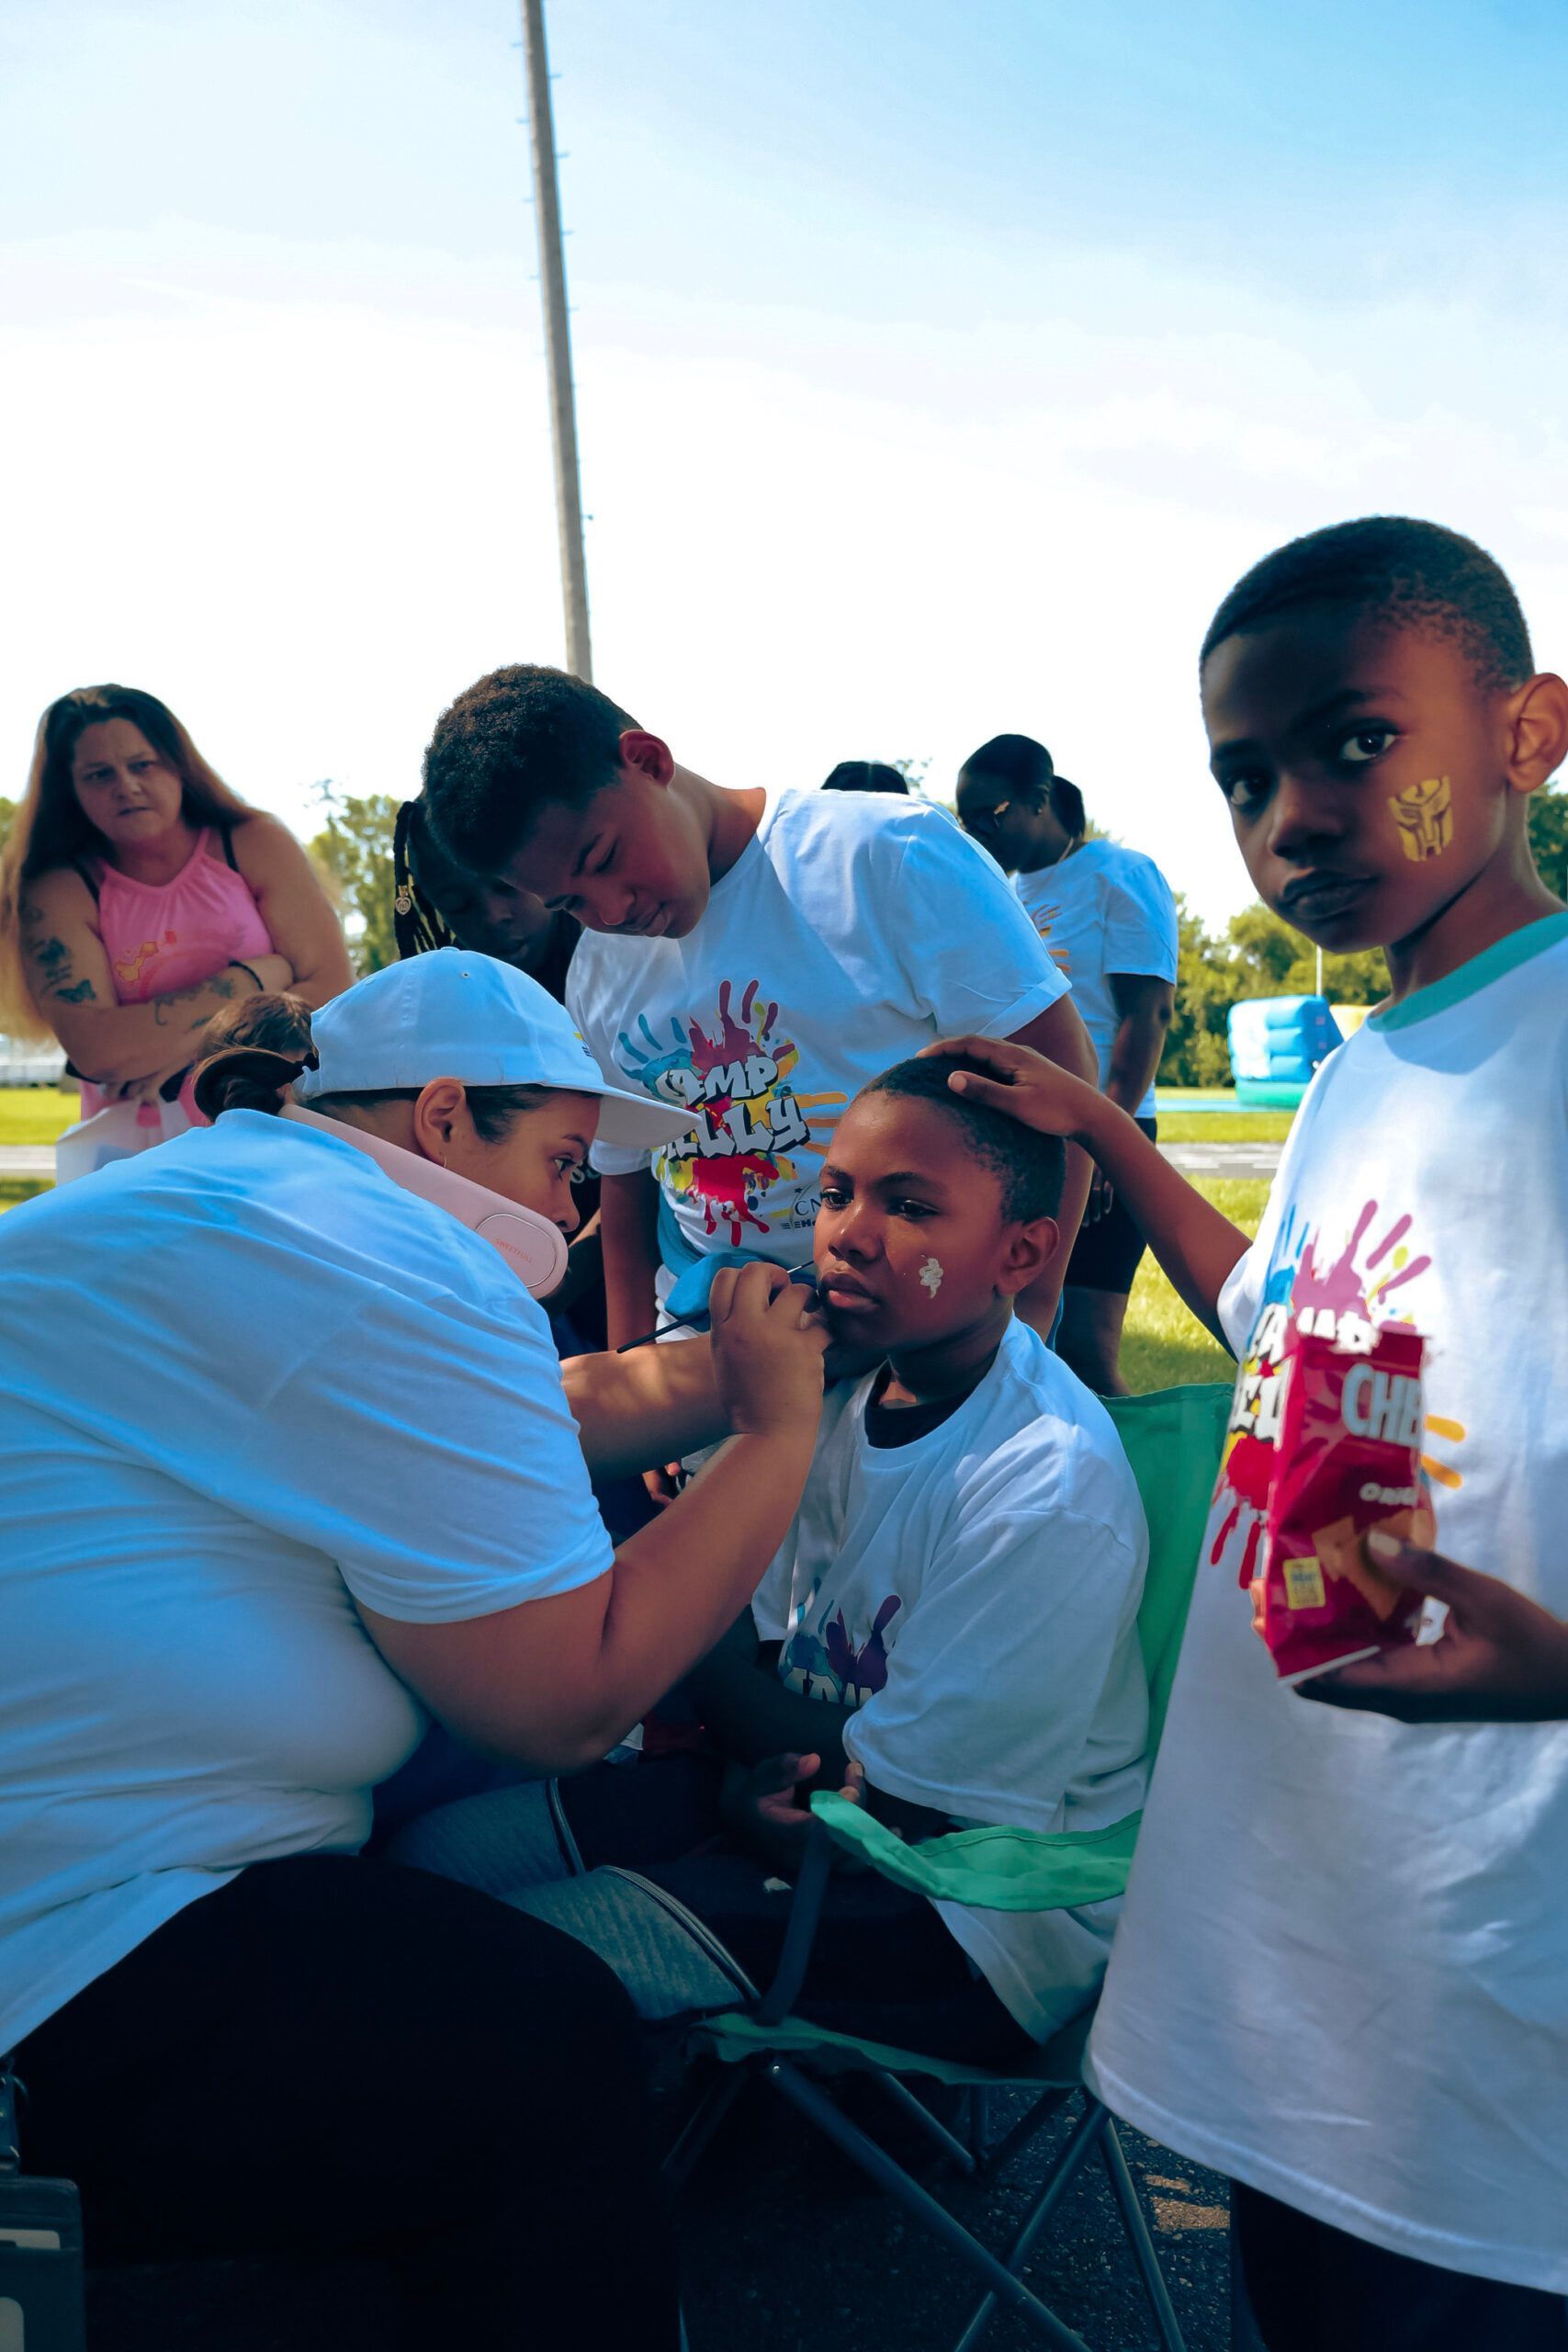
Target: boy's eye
[[1245, 788], [831, 1198], [603, 860], [1367, 743], [913, 1208]]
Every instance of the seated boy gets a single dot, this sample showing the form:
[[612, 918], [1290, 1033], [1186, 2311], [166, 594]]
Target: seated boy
[[1342, 1976], [951, 1622]]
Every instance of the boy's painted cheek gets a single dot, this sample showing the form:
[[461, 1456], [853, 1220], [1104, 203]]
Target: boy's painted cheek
[[1423, 813], [930, 1274]]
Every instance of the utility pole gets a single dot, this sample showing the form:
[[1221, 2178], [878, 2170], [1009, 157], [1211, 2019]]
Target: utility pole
[[558, 343]]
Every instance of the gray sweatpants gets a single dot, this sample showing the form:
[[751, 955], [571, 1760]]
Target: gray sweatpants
[[517, 1844]]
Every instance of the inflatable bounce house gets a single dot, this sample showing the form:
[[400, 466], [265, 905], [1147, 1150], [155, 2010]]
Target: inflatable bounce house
[[1277, 1042]]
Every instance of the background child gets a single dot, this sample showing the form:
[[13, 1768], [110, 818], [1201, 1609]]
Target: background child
[[1342, 1974], [752, 956], [1107, 915], [951, 1620]]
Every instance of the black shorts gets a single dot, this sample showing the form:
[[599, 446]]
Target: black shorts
[[1106, 1254], [1313, 2288]]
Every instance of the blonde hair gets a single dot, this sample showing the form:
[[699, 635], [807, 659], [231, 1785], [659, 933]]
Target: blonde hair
[[51, 829]]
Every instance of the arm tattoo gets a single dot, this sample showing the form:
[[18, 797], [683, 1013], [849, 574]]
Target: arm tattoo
[[55, 974], [164, 1006]]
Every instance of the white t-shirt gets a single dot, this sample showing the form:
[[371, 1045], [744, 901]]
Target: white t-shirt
[[974, 1595], [1342, 1971], [244, 1381], [1102, 909], [851, 931]]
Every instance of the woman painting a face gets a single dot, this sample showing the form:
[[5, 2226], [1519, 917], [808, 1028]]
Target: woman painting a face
[[328, 1479]]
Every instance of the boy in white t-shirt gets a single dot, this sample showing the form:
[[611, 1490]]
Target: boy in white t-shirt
[[951, 1622], [1107, 915], [755, 955], [1342, 1972]]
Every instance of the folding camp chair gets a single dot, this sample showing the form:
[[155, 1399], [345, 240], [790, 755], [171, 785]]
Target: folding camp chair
[[1173, 1440]]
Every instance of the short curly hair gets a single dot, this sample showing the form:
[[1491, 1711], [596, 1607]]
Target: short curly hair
[[520, 740], [1395, 570], [1031, 1168]]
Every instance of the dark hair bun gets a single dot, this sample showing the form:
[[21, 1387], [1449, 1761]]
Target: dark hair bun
[[245, 1078]]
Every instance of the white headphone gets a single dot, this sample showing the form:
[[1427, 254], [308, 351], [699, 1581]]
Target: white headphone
[[530, 1244]]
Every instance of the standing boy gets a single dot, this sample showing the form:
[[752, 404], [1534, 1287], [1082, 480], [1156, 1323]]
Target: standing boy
[[753, 956], [1342, 1972]]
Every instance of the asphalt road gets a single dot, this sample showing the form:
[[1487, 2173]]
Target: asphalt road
[[785, 2247]]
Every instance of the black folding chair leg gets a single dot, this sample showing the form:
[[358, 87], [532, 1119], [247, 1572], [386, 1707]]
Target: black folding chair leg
[[1005, 2287], [1140, 2240], [691, 2142], [1081, 2141], [1032, 2121], [919, 2112]]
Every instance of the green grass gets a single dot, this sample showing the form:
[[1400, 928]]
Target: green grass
[[21, 1188], [1162, 1346], [36, 1113], [1225, 1127]]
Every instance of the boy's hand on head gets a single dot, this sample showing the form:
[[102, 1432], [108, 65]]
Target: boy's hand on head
[[1024, 1086], [1500, 1657]]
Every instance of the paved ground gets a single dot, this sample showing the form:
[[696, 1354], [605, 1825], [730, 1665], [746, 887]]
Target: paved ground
[[1254, 1160], [786, 2248]]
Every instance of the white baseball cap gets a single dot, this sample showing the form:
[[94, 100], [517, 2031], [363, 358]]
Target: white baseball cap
[[454, 1014]]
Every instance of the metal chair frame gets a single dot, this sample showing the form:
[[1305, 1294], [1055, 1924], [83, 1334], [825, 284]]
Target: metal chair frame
[[788, 2068]]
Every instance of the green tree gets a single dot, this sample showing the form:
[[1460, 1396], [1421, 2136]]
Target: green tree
[[1549, 838], [1274, 960], [1259, 955], [1196, 1051], [354, 848], [7, 815]]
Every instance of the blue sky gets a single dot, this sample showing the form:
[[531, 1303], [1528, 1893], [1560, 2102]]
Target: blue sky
[[938, 366]]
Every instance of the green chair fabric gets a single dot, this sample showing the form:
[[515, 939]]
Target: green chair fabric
[[1174, 1438], [734, 2035]]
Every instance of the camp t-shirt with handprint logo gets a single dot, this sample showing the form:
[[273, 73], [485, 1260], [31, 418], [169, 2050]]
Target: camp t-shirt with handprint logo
[[850, 931]]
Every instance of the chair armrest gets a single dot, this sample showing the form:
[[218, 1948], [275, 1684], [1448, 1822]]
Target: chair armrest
[[990, 1869]]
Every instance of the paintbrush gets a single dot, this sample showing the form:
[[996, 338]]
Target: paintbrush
[[699, 1322]]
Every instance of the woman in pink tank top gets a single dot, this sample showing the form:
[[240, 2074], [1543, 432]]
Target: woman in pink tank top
[[139, 896]]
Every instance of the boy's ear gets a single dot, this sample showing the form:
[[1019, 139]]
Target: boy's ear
[[1027, 1250], [1538, 732], [648, 755]]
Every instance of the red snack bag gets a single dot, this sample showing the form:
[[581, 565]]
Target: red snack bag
[[1348, 1459]]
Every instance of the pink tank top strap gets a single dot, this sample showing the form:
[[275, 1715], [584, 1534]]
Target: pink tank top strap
[[175, 934]]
